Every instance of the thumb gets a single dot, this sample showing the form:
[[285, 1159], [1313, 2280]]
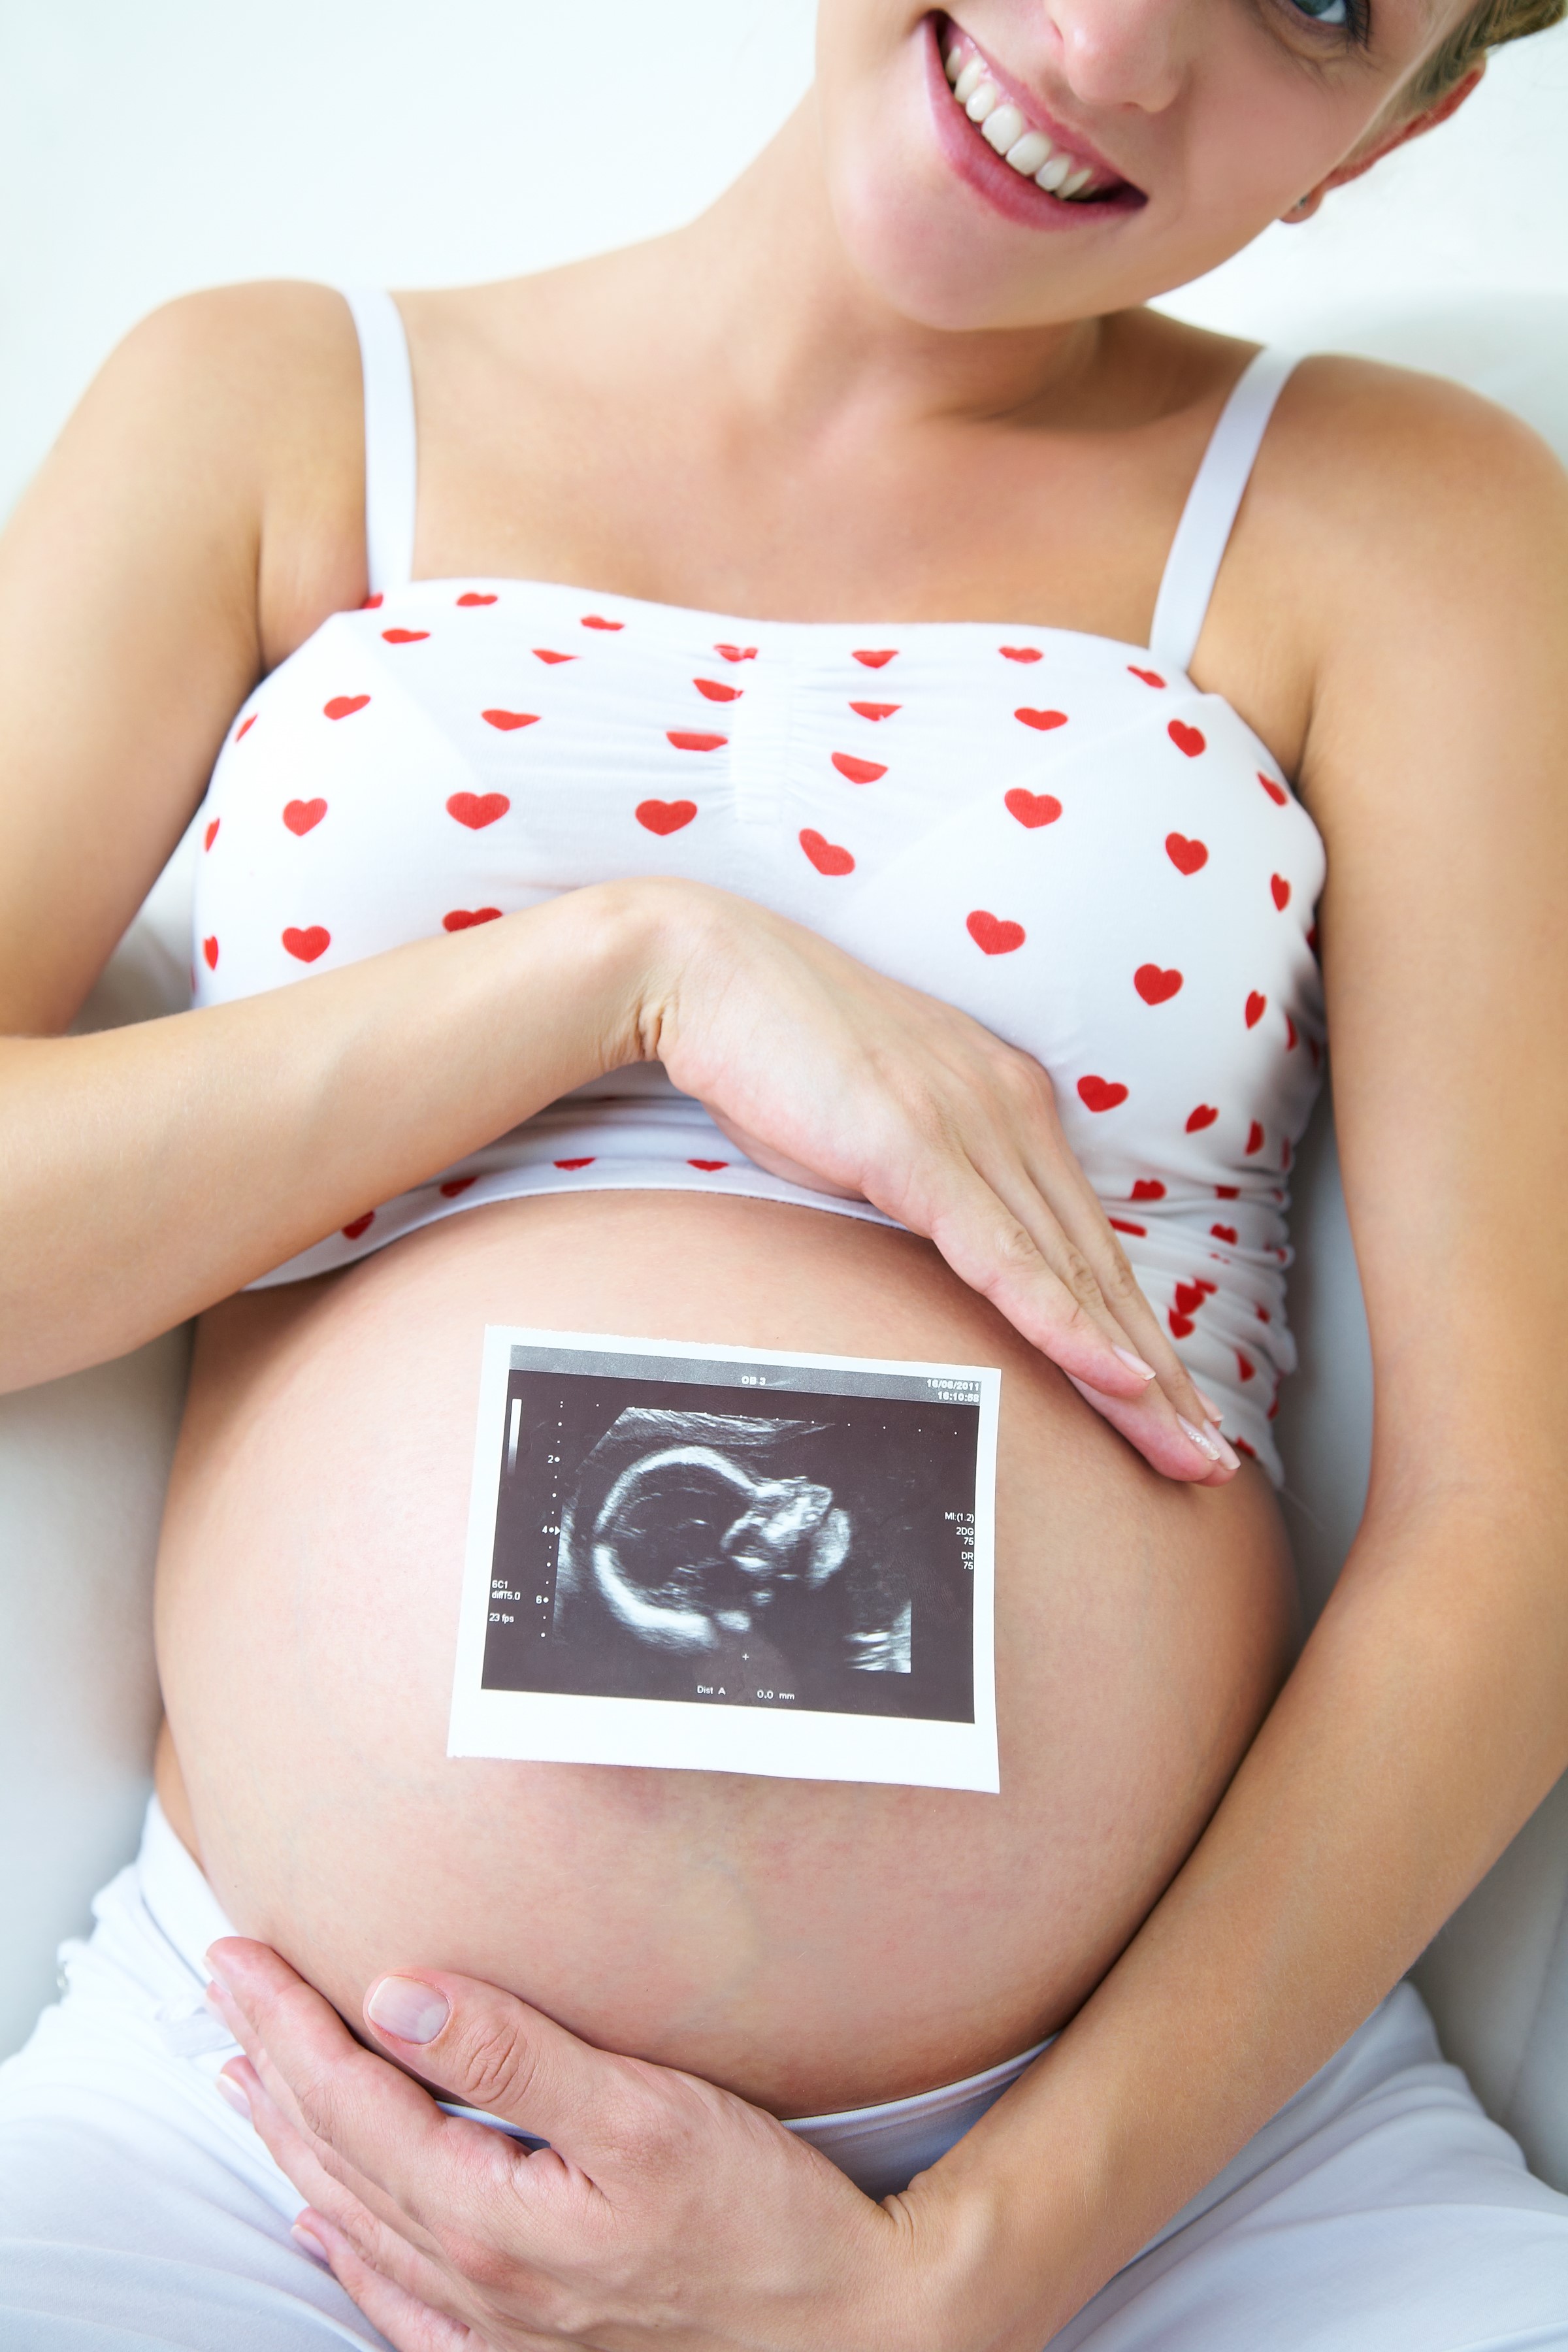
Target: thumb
[[488, 2050]]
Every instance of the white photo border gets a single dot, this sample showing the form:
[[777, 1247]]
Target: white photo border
[[555, 1728]]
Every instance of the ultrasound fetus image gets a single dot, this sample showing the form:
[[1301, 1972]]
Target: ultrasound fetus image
[[665, 1540]]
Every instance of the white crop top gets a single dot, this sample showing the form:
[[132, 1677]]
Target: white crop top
[[1057, 831]]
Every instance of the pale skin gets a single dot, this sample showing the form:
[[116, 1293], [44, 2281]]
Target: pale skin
[[822, 364]]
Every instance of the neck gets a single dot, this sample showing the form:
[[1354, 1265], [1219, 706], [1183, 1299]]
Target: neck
[[789, 324]]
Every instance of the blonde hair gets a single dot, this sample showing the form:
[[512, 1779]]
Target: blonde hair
[[1486, 29]]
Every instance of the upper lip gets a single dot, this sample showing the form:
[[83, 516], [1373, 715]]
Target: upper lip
[[1059, 132]]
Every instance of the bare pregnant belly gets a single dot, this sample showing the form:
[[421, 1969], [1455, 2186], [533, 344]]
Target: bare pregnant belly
[[810, 1944]]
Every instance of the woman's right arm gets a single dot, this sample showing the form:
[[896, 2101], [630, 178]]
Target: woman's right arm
[[147, 1171], [201, 516]]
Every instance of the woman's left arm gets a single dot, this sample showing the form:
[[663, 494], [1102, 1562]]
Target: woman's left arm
[[1426, 1717]]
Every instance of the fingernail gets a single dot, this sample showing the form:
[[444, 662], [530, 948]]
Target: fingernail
[[1209, 1406], [1201, 1439], [312, 2243], [405, 2008], [228, 2089], [217, 1973], [1145, 1372], [1227, 1453]]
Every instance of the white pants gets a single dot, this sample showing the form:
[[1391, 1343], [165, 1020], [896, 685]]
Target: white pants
[[1380, 2212]]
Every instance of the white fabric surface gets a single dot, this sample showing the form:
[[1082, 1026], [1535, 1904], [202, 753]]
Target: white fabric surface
[[1380, 2212]]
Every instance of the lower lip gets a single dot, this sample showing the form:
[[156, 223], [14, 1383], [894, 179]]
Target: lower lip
[[980, 167]]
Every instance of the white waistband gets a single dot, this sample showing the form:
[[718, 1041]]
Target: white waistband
[[880, 2147]]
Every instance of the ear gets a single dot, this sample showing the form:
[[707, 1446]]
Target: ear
[[1411, 127]]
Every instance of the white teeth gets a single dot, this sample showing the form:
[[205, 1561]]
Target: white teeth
[[1029, 154], [1002, 127], [1009, 130]]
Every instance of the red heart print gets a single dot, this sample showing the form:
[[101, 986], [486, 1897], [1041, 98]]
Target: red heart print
[[1244, 1365], [509, 720], [543, 654], [597, 620], [1285, 1153], [992, 935], [1032, 809], [475, 810], [303, 816], [1291, 1040], [1148, 677], [1020, 653], [343, 706], [242, 729], [372, 602], [1313, 939], [1204, 1116], [1101, 1094], [1187, 739], [875, 709], [577, 1163], [1189, 1297], [1250, 1451], [209, 950], [877, 660], [1227, 1191], [1120, 1225], [404, 636], [708, 1166], [684, 742], [1224, 1233], [824, 855], [1181, 1325], [463, 919], [360, 1225], [1148, 1188], [1263, 1315], [712, 690], [737, 653], [307, 945], [1209, 1286], [1281, 890], [1255, 1137], [858, 771], [1275, 792], [473, 597], [211, 833], [1257, 1005], [1186, 856], [456, 1185], [1155, 986], [1043, 720], [665, 816]]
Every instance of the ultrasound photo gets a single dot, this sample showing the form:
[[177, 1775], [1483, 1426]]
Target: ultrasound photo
[[708, 1558]]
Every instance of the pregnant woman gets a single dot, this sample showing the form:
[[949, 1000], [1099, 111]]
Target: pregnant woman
[[774, 789]]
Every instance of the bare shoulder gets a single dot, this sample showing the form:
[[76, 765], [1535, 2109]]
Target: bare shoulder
[[1379, 477], [1400, 531], [249, 397], [200, 515]]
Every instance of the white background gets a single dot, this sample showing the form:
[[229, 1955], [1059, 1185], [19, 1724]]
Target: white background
[[148, 150]]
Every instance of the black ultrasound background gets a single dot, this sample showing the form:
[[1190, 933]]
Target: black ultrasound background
[[902, 1470]]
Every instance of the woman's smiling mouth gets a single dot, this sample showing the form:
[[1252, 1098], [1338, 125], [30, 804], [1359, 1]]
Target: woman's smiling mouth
[[1046, 169]]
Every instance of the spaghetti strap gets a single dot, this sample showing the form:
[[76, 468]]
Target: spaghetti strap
[[1204, 532], [391, 441]]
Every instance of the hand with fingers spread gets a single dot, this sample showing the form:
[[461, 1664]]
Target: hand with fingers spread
[[663, 2212], [827, 1073]]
